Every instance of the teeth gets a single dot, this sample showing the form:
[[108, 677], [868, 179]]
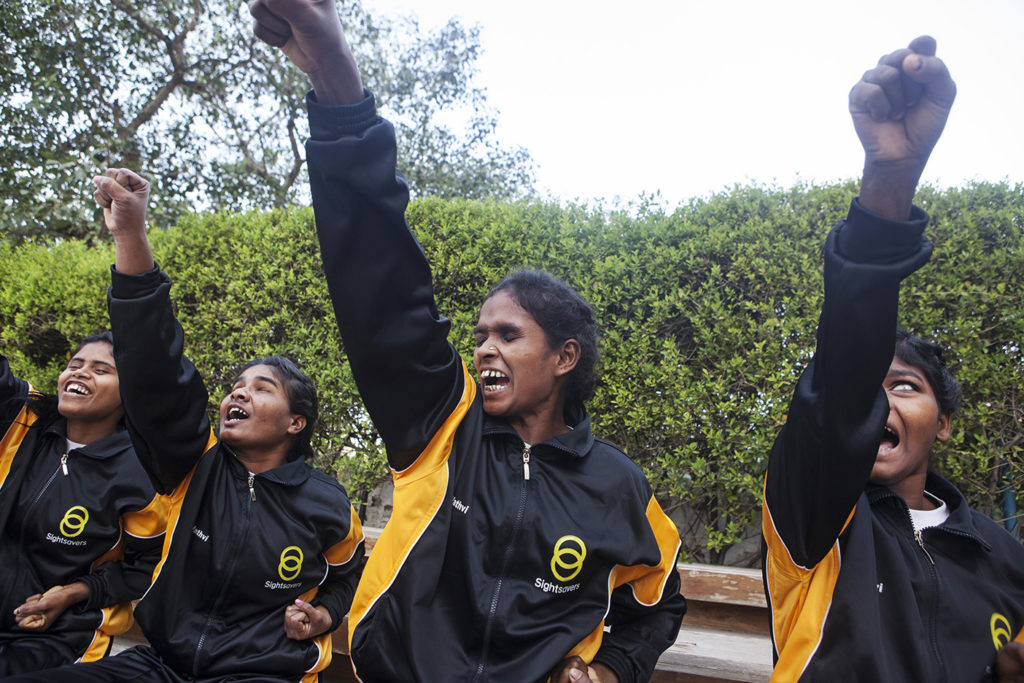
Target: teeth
[[492, 374], [76, 388], [237, 414]]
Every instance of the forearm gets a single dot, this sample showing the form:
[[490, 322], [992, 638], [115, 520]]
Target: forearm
[[127, 579], [340, 84], [132, 254], [380, 284], [639, 633], [11, 387], [338, 589], [888, 191], [74, 593], [163, 395], [823, 457], [866, 258]]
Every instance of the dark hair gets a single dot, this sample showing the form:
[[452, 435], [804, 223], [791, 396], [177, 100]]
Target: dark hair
[[929, 358], [563, 314], [301, 394], [104, 336]]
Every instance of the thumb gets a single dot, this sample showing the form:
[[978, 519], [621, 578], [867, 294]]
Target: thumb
[[931, 72], [923, 45]]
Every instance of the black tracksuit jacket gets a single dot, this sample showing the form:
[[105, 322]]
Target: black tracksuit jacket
[[854, 595], [481, 574], [101, 524], [239, 548]]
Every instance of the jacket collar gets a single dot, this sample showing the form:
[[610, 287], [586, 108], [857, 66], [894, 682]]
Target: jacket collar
[[101, 449], [578, 441], [961, 517], [292, 473]]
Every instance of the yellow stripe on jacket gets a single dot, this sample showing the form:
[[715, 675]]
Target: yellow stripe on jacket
[[12, 440], [800, 598], [175, 501], [418, 504]]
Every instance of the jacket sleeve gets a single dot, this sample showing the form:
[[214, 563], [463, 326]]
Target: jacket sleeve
[[13, 391], [822, 458], [127, 579], [344, 565], [163, 395], [408, 375], [647, 610]]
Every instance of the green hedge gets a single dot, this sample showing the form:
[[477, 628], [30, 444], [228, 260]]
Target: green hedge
[[707, 316]]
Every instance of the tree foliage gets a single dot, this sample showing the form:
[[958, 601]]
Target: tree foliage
[[707, 317], [180, 90]]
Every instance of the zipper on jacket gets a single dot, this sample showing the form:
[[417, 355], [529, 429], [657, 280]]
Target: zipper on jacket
[[21, 565], [227, 579], [64, 463], [50, 480], [933, 639], [920, 542], [504, 565]]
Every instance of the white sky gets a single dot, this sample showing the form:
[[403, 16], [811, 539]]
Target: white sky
[[688, 97]]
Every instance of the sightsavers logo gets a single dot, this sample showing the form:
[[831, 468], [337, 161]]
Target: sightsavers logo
[[1001, 631], [74, 521], [291, 563], [567, 560]]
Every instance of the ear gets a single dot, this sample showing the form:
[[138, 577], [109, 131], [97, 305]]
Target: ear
[[568, 357], [297, 425], [945, 429]]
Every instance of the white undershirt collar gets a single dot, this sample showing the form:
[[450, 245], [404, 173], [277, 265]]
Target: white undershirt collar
[[923, 519]]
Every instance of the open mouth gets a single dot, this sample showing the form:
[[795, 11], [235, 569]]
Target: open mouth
[[77, 389], [890, 440], [494, 380], [235, 414]]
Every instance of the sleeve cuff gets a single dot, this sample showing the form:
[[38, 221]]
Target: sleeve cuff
[[330, 122], [866, 237], [97, 595], [136, 286], [617, 662], [332, 608]]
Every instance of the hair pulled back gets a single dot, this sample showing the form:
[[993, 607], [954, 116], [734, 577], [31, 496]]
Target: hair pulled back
[[563, 314], [302, 400]]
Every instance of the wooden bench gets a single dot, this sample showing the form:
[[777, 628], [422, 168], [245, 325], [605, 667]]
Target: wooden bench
[[724, 635]]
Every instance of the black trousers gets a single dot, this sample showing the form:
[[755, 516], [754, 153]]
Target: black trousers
[[30, 651], [139, 664]]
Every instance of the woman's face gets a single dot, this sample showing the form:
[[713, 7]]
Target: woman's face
[[256, 412], [519, 372], [88, 389], [915, 423]]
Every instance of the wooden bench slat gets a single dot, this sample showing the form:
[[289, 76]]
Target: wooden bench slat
[[720, 655]]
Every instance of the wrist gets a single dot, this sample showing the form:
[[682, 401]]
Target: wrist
[[130, 238], [605, 674], [887, 189], [74, 593], [325, 624], [132, 255], [338, 85]]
